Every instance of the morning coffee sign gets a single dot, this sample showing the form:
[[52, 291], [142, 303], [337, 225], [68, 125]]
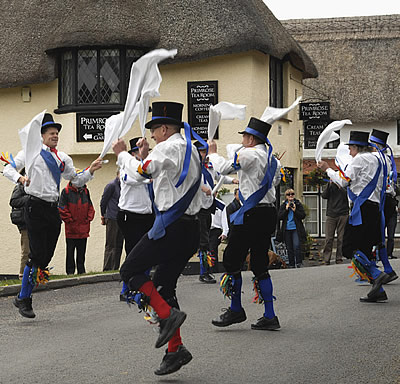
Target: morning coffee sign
[[201, 94], [315, 111]]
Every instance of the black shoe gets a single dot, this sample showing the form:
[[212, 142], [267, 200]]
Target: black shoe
[[266, 324], [173, 361], [380, 296], [392, 257], [24, 306], [229, 317], [392, 276], [169, 326], [207, 279], [377, 284]]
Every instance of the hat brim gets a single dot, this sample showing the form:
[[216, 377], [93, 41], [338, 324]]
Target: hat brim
[[58, 126], [360, 144], [162, 120]]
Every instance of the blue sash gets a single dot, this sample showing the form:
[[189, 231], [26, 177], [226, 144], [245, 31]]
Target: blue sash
[[237, 217], [53, 166], [207, 176], [219, 205], [355, 217], [164, 219]]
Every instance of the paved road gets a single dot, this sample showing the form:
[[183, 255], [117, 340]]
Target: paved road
[[83, 334]]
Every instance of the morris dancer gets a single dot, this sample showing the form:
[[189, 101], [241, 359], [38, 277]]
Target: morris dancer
[[253, 224], [175, 167], [135, 216], [208, 207], [389, 206], [364, 178], [42, 184]]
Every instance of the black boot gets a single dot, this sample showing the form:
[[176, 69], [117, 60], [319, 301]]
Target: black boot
[[173, 361], [392, 276], [377, 283], [24, 306], [206, 278], [169, 326], [380, 296], [229, 317], [266, 324]]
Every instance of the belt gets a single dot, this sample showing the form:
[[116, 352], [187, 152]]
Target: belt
[[265, 205], [44, 202]]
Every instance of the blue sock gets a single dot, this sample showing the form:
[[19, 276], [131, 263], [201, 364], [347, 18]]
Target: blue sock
[[124, 289], [236, 302], [266, 293], [26, 286], [382, 253], [203, 269]]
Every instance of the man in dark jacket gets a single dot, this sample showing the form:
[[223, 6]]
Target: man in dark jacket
[[337, 212], [114, 237], [76, 210]]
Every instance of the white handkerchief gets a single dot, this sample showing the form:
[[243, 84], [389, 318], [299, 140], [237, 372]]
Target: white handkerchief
[[272, 114], [224, 111]]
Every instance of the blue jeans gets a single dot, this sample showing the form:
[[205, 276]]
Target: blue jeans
[[293, 246]]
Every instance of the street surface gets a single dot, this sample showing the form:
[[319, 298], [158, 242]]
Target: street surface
[[83, 334]]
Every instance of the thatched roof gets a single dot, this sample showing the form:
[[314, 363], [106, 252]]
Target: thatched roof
[[30, 30], [358, 62]]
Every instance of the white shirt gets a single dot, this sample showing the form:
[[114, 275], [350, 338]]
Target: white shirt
[[390, 184], [42, 183], [164, 165], [220, 220], [253, 163], [207, 200], [359, 172], [134, 195]]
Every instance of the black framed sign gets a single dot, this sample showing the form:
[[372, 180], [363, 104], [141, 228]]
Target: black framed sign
[[90, 126], [314, 111], [312, 130], [201, 94]]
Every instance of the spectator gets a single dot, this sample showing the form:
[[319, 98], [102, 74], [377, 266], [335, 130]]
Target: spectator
[[17, 203], [76, 210], [337, 212], [114, 237], [291, 212]]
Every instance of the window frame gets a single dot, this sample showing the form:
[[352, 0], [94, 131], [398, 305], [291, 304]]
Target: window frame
[[98, 106], [275, 82]]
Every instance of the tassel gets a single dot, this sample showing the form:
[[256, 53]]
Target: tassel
[[360, 270], [226, 285], [210, 259], [257, 299], [143, 303], [39, 276]]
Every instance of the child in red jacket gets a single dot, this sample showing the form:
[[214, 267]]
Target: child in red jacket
[[76, 210]]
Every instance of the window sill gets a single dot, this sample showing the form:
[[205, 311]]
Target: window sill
[[89, 108]]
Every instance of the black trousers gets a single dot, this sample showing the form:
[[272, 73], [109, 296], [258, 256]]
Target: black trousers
[[80, 246], [44, 225], [205, 225], [133, 226], [364, 236], [215, 241], [253, 236], [170, 254]]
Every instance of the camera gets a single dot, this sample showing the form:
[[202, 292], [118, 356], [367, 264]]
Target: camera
[[291, 205]]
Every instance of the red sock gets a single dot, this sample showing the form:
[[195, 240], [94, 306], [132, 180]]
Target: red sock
[[175, 341], [156, 301]]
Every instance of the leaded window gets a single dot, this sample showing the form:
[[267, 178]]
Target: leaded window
[[95, 78]]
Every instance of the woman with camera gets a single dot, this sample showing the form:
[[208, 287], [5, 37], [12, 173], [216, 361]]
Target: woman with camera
[[291, 212]]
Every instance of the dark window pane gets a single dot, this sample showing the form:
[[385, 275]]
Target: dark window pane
[[66, 78], [275, 83], [110, 76], [87, 77]]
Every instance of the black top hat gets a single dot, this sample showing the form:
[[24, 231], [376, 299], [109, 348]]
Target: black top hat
[[257, 128], [199, 146], [379, 137], [166, 112], [358, 138], [133, 144], [48, 122]]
